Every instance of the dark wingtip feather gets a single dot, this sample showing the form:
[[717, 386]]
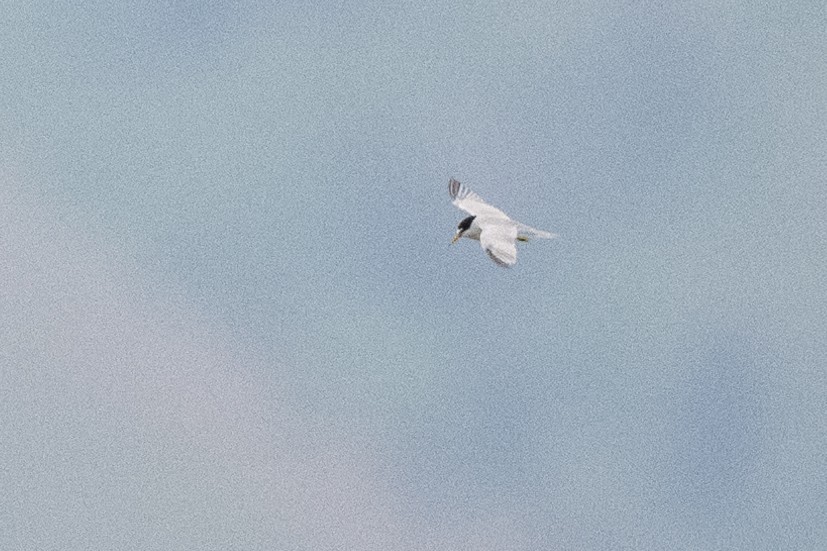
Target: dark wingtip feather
[[453, 188], [496, 260], [456, 189]]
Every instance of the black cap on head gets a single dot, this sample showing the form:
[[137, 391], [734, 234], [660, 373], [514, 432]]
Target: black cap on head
[[465, 223]]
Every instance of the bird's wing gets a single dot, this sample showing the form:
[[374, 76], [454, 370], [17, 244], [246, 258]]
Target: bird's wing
[[498, 240], [465, 199]]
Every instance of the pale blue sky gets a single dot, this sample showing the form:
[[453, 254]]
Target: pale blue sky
[[232, 319]]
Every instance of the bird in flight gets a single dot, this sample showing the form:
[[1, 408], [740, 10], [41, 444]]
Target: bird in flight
[[497, 233]]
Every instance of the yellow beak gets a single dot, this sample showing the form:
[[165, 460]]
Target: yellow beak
[[454, 240]]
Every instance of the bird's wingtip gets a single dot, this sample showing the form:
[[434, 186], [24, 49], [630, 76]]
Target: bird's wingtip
[[454, 188]]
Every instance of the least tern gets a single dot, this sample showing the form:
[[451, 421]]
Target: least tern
[[497, 233]]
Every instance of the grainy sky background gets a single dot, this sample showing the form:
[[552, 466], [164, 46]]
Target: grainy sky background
[[230, 317]]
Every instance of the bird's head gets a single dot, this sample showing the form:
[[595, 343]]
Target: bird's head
[[463, 227]]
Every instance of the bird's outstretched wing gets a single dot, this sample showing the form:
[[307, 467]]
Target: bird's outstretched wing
[[465, 199], [499, 242]]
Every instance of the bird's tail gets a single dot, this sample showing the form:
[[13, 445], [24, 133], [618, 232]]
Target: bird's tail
[[524, 233]]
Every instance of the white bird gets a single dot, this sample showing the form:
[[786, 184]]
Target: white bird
[[497, 233]]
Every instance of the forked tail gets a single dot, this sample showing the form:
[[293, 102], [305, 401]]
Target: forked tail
[[524, 233]]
